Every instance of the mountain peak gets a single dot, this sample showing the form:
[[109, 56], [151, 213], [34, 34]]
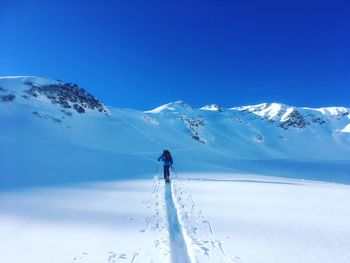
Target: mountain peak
[[31, 89], [213, 107], [178, 105], [266, 110], [332, 111]]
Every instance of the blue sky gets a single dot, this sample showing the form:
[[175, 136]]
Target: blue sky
[[141, 54]]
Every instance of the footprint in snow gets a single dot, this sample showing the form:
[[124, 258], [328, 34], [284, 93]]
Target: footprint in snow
[[156, 243], [111, 257], [80, 257], [237, 260], [205, 250]]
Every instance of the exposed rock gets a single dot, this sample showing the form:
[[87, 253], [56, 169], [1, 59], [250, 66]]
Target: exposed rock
[[78, 108], [66, 95], [294, 120], [7, 98], [68, 113], [149, 119], [46, 117], [259, 138], [194, 126], [318, 120]]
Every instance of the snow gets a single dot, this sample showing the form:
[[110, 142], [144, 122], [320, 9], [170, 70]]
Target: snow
[[81, 187], [160, 109], [264, 110], [177, 241], [224, 217], [104, 222], [212, 107], [286, 114], [173, 106], [346, 129], [271, 111], [263, 220], [335, 111]]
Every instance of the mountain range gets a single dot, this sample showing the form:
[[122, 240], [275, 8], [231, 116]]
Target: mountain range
[[55, 132]]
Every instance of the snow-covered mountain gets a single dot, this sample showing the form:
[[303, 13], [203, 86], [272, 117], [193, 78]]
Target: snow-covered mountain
[[98, 196], [54, 131]]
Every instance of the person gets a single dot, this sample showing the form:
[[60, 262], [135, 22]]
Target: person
[[167, 163]]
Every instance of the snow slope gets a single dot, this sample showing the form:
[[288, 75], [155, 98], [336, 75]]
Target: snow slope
[[76, 179], [57, 144]]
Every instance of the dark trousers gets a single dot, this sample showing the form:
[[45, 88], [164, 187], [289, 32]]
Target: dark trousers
[[166, 171]]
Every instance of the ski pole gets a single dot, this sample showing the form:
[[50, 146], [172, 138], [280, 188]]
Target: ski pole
[[157, 168], [177, 177]]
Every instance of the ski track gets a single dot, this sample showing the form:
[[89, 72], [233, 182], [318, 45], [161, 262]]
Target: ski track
[[203, 243], [186, 235], [179, 252]]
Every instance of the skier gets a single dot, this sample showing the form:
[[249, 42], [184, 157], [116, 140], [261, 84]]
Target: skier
[[167, 163]]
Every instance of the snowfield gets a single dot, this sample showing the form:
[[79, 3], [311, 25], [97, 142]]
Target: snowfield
[[79, 181], [106, 222], [256, 219], [222, 217]]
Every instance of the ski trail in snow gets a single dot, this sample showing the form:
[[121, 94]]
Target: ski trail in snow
[[179, 253], [204, 246]]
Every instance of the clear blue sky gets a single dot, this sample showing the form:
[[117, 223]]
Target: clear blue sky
[[141, 54]]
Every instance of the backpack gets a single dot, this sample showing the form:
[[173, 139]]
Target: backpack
[[167, 156]]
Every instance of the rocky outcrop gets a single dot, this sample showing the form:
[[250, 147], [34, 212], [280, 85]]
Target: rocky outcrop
[[7, 98], [294, 120], [66, 95], [194, 126]]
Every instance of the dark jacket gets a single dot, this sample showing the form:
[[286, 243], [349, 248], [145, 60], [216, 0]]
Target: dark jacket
[[165, 162]]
